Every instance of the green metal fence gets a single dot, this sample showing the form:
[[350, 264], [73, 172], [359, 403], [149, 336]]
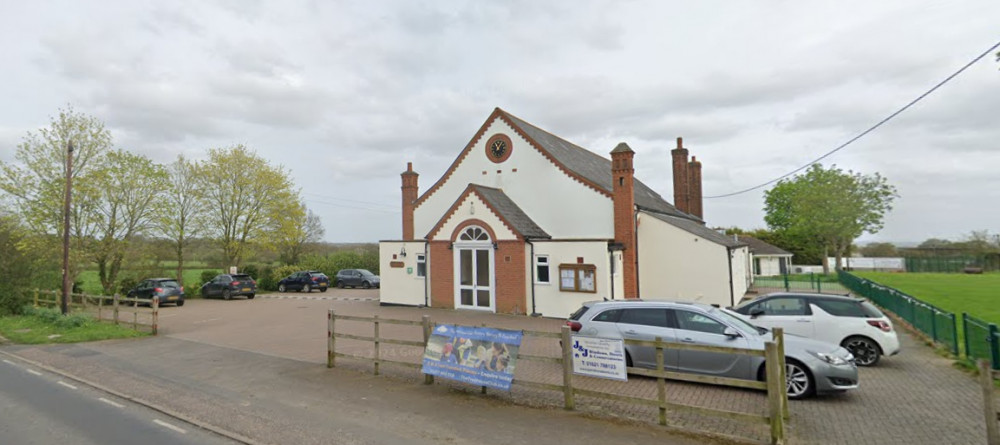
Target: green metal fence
[[801, 283], [982, 340], [952, 264], [941, 326]]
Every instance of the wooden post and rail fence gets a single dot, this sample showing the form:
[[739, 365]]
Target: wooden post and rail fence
[[99, 305], [774, 384]]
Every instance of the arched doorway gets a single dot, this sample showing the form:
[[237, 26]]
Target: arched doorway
[[474, 283]]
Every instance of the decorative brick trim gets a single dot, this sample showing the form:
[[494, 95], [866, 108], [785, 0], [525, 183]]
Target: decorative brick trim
[[473, 222], [470, 190]]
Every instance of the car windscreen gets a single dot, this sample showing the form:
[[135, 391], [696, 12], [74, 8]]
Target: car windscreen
[[169, 283], [579, 313], [737, 321], [366, 272], [242, 277]]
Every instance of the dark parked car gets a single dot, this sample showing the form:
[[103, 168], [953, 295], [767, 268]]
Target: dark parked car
[[169, 291], [357, 278], [304, 281], [228, 286]]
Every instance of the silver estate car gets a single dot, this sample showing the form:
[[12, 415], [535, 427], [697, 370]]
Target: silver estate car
[[812, 366]]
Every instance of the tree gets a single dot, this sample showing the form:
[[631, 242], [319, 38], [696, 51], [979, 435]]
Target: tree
[[296, 234], [128, 185], [880, 250], [828, 208], [184, 218], [247, 200], [35, 181]]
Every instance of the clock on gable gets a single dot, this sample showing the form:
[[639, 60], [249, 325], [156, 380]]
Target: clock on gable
[[498, 148]]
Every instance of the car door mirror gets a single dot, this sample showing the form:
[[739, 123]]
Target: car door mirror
[[756, 312], [731, 333]]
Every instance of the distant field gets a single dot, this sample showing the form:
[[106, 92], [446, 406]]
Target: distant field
[[91, 283], [977, 295]]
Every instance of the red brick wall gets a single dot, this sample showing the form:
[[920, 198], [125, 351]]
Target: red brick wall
[[624, 205], [409, 192], [511, 280], [442, 275], [681, 182]]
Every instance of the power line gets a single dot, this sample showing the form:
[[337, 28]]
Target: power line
[[393, 207], [869, 130]]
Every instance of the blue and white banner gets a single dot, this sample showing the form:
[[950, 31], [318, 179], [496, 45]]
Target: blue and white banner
[[478, 356]]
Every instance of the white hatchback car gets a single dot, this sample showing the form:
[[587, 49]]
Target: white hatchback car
[[853, 323]]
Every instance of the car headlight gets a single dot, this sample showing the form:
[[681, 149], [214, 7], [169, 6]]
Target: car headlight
[[831, 359]]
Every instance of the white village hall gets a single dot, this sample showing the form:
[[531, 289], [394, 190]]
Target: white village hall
[[525, 222]]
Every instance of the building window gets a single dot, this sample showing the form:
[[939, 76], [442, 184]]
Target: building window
[[578, 278], [421, 265], [542, 269]]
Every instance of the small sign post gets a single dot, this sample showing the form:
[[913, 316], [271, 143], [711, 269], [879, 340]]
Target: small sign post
[[599, 357]]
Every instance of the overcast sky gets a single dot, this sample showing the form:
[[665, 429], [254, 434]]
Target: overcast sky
[[343, 94]]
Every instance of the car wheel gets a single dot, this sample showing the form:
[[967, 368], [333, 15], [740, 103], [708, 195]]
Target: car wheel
[[322, 289], [865, 351], [281, 288], [180, 303], [250, 297], [628, 360], [366, 285], [340, 285], [798, 381], [307, 288], [226, 295]]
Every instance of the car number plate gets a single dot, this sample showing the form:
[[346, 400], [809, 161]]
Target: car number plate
[[246, 289], [171, 298]]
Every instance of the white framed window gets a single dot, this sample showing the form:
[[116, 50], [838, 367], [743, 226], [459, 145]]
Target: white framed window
[[421, 265], [542, 269]]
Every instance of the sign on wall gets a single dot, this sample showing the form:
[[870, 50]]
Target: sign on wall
[[599, 357], [478, 356]]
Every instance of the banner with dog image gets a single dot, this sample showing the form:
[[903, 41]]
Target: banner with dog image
[[477, 356]]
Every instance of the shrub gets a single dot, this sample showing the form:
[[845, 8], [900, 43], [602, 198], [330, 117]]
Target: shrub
[[266, 279], [55, 317], [207, 275], [283, 271], [252, 270], [126, 284]]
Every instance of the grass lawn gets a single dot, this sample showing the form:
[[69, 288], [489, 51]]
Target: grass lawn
[[977, 295], [91, 283], [30, 329]]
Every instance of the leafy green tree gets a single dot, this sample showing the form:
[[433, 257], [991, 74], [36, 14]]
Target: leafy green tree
[[185, 207], [128, 187], [247, 201], [297, 234], [16, 265], [828, 208], [880, 250]]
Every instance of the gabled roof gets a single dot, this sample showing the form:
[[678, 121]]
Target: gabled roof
[[584, 165], [759, 247], [698, 229], [501, 205]]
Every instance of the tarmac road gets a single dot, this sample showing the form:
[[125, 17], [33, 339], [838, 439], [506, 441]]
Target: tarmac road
[[39, 407]]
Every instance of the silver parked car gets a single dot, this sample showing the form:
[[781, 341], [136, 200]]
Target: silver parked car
[[811, 366]]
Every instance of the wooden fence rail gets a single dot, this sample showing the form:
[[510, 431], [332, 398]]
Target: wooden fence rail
[[99, 303], [774, 384]]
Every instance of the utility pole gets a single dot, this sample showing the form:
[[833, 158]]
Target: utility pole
[[67, 286]]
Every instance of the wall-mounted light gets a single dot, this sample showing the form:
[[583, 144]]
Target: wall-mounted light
[[402, 251]]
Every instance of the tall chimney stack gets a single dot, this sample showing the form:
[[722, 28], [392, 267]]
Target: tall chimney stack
[[681, 183], [409, 188], [623, 197], [694, 198]]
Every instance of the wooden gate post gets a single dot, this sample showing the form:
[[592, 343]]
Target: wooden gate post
[[426, 320], [330, 341], [377, 355], [779, 339], [773, 370], [115, 303], [36, 297], [567, 363], [156, 313], [661, 384], [989, 405]]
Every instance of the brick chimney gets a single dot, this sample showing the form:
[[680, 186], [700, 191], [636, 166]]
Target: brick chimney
[[681, 182], [409, 188], [694, 187], [623, 196]]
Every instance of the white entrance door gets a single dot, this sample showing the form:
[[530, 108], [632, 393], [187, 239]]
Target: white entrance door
[[474, 270]]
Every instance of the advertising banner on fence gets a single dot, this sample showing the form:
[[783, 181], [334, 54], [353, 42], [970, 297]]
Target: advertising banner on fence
[[478, 356], [599, 357]]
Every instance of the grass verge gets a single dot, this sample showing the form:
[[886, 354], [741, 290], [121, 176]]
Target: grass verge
[[49, 326]]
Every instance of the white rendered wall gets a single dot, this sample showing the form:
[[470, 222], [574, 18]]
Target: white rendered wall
[[742, 277], [549, 300], [769, 266], [680, 266], [400, 285], [473, 208], [559, 204]]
